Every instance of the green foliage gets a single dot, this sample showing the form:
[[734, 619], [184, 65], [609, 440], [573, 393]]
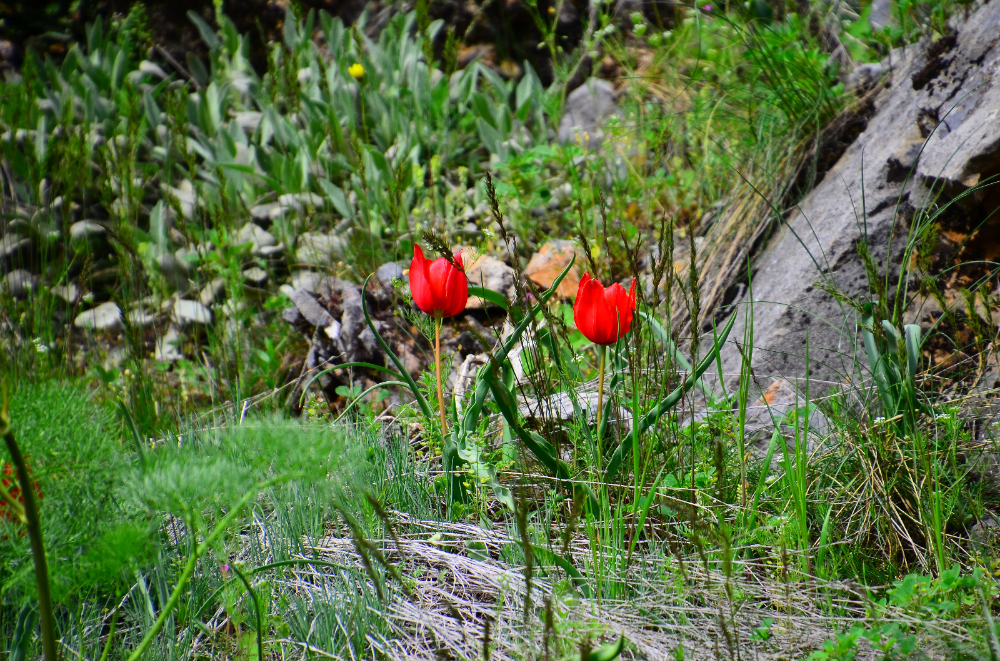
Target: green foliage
[[79, 465]]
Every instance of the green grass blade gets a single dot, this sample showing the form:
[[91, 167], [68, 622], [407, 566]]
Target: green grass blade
[[668, 402], [421, 402]]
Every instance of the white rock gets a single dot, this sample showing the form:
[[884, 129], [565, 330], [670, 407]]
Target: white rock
[[86, 231], [187, 312], [140, 318], [174, 271], [308, 280], [256, 236], [104, 317], [69, 292], [489, 272], [255, 276], [168, 346], [299, 201], [19, 283], [248, 121], [213, 291], [319, 249]]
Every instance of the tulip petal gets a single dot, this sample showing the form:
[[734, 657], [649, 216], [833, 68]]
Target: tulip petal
[[590, 310], [420, 282], [456, 289]]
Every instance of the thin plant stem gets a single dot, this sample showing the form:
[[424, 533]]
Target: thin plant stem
[[600, 405], [437, 370], [111, 636], [34, 525], [196, 553]]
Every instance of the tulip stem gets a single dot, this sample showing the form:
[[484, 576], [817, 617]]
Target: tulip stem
[[437, 369], [600, 404]]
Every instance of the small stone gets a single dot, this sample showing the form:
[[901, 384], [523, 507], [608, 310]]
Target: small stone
[[21, 283], [300, 201], [13, 246], [256, 236], [168, 346], [86, 233], [255, 276], [488, 272], [68, 292], [308, 280], [588, 107], [382, 289], [319, 249], [333, 330], [213, 291], [311, 310], [140, 318], [266, 213], [272, 253], [546, 265], [287, 290], [188, 312], [104, 317]]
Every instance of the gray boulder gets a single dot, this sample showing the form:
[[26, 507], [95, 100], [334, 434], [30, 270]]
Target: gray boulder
[[255, 276], [819, 242], [382, 288], [307, 280], [588, 107]]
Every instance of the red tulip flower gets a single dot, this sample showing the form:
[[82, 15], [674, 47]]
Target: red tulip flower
[[14, 511], [439, 288], [603, 314]]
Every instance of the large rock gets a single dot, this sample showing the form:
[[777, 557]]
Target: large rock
[[820, 241], [588, 107]]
